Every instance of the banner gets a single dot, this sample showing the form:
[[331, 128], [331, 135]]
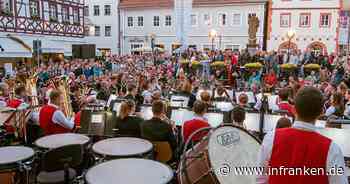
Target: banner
[[183, 11], [344, 27]]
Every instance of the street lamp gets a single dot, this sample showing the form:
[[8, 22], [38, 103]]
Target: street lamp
[[153, 37], [212, 34], [290, 36]]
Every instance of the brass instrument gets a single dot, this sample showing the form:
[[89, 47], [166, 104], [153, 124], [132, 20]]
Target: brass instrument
[[32, 91], [66, 104]]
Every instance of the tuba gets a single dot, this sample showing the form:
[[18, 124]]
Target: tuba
[[66, 104]]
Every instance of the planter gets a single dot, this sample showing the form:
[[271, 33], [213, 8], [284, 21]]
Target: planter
[[288, 67], [312, 67], [253, 66], [218, 65]]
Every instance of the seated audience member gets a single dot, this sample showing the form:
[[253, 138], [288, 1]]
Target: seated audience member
[[337, 106], [284, 123], [347, 105], [126, 123], [301, 146], [238, 116], [284, 104], [158, 128], [198, 122]]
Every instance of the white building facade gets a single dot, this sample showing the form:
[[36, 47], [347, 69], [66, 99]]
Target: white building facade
[[102, 19], [314, 22], [141, 19], [57, 24]]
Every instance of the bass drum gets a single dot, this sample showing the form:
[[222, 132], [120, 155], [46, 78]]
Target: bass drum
[[214, 158]]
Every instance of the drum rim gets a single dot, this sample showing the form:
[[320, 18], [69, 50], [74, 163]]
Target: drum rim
[[168, 167], [241, 128], [115, 138], [46, 137], [27, 158], [228, 125]]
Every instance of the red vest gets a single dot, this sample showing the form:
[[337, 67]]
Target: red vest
[[45, 118], [13, 103], [287, 107], [293, 148], [189, 127]]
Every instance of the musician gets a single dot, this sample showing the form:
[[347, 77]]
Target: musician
[[198, 122], [243, 100], [284, 123], [301, 146], [238, 116], [186, 89], [158, 128], [51, 117], [205, 97], [133, 95], [284, 104], [127, 124], [221, 94]]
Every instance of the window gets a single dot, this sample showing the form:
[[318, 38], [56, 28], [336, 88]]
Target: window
[[107, 10], [86, 10], [236, 19], [96, 10], [325, 20], [130, 21], [53, 12], [108, 31], [97, 30], [285, 20], [34, 8], [234, 48], [156, 21], [168, 20], [140, 21], [134, 46], [193, 19], [305, 20], [6, 6], [207, 19], [65, 14], [222, 19], [76, 16]]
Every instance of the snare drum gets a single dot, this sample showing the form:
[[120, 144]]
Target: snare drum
[[212, 160], [12, 159], [130, 171], [59, 140], [123, 147]]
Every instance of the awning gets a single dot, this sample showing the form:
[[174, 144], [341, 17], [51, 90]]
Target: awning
[[13, 49], [48, 46]]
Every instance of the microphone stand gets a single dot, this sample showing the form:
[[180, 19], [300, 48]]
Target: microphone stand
[[263, 109]]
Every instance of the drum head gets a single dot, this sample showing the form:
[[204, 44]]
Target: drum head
[[231, 147], [59, 140], [130, 171], [122, 147], [13, 154]]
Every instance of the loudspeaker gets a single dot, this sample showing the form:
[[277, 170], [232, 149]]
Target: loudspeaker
[[76, 51], [84, 51]]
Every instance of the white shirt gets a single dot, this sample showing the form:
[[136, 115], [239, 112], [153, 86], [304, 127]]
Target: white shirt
[[335, 156], [60, 119], [347, 110]]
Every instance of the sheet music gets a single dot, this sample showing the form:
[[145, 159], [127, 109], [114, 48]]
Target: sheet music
[[251, 97], [110, 99], [116, 107], [97, 118]]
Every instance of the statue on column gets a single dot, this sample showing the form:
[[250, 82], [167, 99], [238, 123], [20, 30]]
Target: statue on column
[[254, 23]]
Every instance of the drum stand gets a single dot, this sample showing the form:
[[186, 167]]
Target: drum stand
[[263, 109]]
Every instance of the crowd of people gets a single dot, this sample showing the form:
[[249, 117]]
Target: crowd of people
[[148, 79]]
